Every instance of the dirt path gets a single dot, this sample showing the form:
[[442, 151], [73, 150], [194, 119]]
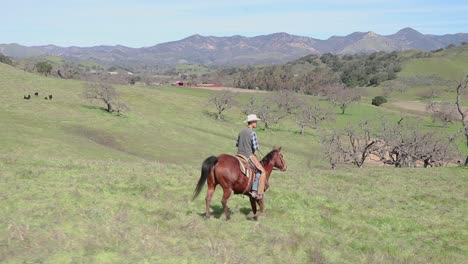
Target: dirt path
[[411, 105], [232, 89], [415, 106]]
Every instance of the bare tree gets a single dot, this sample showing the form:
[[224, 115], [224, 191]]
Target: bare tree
[[251, 106], [269, 113], [223, 101], [105, 93], [461, 90], [403, 144], [343, 97], [312, 116], [276, 106], [447, 113], [431, 94], [351, 145], [332, 148], [288, 101]]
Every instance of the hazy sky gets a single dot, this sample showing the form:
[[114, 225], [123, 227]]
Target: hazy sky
[[140, 23]]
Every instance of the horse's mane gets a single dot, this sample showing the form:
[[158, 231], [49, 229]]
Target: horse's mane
[[268, 157]]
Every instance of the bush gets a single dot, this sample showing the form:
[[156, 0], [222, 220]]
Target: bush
[[378, 100]]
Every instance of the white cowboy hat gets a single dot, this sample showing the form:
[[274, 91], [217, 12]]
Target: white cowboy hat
[[251, 118]]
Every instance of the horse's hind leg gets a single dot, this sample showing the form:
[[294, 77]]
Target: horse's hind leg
[[209, 196], [226, 195]]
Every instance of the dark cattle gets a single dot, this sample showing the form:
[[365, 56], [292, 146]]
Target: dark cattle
[[24, 97], [29, 96], [45, 98], [36, 94], [50, 97]]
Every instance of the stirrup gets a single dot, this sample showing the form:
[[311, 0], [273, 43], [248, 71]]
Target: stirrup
[[255, 195]]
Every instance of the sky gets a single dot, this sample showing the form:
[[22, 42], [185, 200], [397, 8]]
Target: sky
[[143, 23]]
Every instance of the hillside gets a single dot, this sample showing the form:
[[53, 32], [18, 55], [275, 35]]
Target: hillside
[[238, 50], [80, 185], [420, 75]]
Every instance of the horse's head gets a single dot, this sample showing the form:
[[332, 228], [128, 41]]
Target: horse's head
[[275, 158]]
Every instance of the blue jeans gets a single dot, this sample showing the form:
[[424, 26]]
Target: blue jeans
[[257, 178]]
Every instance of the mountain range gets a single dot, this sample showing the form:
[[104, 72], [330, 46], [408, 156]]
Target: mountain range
[[236, 50]]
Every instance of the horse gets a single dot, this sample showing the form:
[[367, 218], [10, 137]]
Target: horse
[[225, 171]]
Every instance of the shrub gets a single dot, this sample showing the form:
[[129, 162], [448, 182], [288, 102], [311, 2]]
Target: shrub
[[378, 100]]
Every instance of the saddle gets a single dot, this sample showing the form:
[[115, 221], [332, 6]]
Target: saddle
[[246, 167]]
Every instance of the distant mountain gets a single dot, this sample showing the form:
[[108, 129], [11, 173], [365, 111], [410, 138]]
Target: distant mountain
[[235, 50], [409, 38]]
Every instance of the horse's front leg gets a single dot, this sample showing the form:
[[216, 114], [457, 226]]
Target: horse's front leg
[[253, 203], [227, 193], [262, 207]]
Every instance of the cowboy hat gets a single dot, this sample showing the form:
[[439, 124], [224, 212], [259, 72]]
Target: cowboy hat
[[251, 118]]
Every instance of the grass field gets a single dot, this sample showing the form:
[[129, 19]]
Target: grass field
[[419, 76], [78, 185]]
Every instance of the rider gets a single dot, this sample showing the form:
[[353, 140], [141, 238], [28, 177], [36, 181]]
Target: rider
[[247, 144]]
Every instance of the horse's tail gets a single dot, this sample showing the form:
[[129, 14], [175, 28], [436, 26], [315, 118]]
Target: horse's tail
[[207, 166]]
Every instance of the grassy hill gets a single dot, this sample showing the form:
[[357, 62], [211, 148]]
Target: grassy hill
[[419, 76], [80, 185]]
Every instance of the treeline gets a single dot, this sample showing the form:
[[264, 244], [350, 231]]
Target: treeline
[[5, 59], [311, 74], [363, 70]]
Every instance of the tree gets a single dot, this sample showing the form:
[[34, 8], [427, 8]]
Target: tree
[[343, 97], [403, 144], [287, 100], [269, 112], [43, 67], [445, 112], [353, 144], [461, 90], [449, 113], [312, 116], [223, 101], [107, 94], [276, 106], [251, 106]]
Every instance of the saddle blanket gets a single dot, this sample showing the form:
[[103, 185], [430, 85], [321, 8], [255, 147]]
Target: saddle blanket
[[247, 168]]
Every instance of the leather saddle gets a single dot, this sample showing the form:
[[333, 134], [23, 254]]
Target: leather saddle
[[247, 168]]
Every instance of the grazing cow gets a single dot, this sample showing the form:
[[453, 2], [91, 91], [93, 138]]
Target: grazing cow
[[36, 94], [25, 98], [45, 98], [29, 96], [50, 97]]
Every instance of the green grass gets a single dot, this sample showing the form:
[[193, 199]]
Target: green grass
[[80, 185], [441, 71], [450, 64]]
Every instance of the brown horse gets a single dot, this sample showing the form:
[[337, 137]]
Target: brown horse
[[225, 171]]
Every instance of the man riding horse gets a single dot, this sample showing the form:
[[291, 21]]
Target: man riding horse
[[247, 144], [226, 170]]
